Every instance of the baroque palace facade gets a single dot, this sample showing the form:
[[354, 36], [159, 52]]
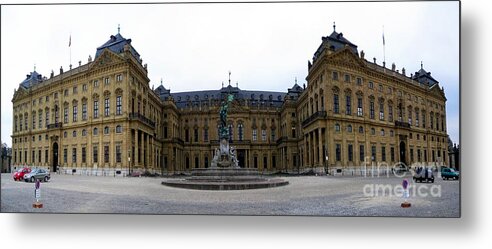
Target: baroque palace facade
[[103, 118]]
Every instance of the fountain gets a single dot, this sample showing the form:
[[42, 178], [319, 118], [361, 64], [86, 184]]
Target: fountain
[[224, 172]]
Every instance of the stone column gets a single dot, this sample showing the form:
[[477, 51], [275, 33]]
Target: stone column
[[320, 147], [136, 149], [141, 155]]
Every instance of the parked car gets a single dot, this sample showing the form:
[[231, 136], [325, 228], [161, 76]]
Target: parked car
[[447, 173], [19, 174], [423, 174], [40, 174]]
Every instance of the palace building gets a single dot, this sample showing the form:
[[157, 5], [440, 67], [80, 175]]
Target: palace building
[[103, 118]]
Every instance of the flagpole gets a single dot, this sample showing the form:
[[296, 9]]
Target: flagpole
[[70, 48], [384, 48]]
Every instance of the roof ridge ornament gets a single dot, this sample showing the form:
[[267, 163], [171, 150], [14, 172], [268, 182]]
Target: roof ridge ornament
[[118, 28], [334, 27]]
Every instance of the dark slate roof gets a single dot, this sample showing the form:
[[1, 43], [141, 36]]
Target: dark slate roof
[[116, 43], [424, 77], [32, 79], [162, 92], [270, 98], [335, 42]]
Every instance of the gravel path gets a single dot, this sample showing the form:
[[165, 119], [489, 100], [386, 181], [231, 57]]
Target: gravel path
[[307, 195]]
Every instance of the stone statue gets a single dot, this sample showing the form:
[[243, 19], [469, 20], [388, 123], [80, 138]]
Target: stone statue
[[224, 131]]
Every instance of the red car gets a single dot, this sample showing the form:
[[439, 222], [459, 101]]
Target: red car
[[19, 174]]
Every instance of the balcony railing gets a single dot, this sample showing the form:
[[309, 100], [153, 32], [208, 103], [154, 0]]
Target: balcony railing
[[55, 126], [402, 124], [140, 117], [315, 116]]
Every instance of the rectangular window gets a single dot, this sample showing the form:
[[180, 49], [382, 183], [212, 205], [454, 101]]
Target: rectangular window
[[361, 152], [75, 113], [95, 154], [350, 153], [96, 83], [65, 114], [205, 135], [273, 135], [106, 154], [84, 111], [119, 77], [118, 153], [40, 122], [338, 152], [392, 154], [265, 162], [84, 87], [106, 81], [96, 108], [347, 78], [371, 109], [348, 105], [371, 84], [359, 107], [106, 107], [417, 118], [373, 153], [409, 116], [65, 152], [293, 132], [336, 104], [84, 156], [390, 113], [381, 111], [118, 105], [75, 90], [359, 81], [195, 135], [74, 155], [411, 155], [46, 156], [335, 76], [255, 137], [423, 119], [263, 135], [33, 156], [383, 153]]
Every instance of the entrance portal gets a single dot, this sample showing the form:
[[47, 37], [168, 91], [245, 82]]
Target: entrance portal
[[240, 158], [403, 153], [55, 156]]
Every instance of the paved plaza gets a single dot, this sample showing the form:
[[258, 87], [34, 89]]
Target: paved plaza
[[304, 195]]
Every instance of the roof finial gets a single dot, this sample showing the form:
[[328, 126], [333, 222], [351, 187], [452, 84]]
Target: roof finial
[[334, 27], [34, 67], [237, 84], [296, 80], [421, 65], [229, 77], [118, 28], [222, 84], [161, 81]]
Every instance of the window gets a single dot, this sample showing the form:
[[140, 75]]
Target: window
[[119, 77], [373, 153], [96, 83], [84, 87], [65, 93], [74, 133], [371, 84], [65, 114], [336, 104], [84, 132], [338, 152], [106, 107], [380, 88], [96, 108], [411, 155], [359, 107], [118, 153], [106, 153], [118, 129], [293, 131], [350, 152], [33, 120], [74, 155], [65, 134], [348, 105], [240, 132], [95, 154], [390, 113], [75, 113], [337, 127], [347, 78], [205, 135], [359, 81], [255, 135], [84, 111], [423, 119], [373, 131], [392, 151], [84, 156], [361, 129], [349, 128], [106, 81], [263, 135], [383, 153], [382, 132], [371, 109], [335, 76], [417, 118], [46, 156], [392, 133], [106, 130], [187, 135], [381, 111], [25, 122], [361, 153], [195, 135], [95, 132], [231, 134], [65, 155], [75, 90], [118, 105], [409, 116]]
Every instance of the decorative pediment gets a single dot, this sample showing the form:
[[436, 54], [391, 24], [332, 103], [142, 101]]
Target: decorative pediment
[[21, 92], [345, 57], [435, 90], [107, 58]]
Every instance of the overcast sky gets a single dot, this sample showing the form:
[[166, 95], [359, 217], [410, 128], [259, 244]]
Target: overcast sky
[[265, 46]]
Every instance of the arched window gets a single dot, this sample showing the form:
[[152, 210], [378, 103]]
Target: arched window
[[373, 131], [95, 132], [361, 129], [349, 128], [106, 130], [118, 129], [84, 132], [240, 131], [337, 127], [382, 132]]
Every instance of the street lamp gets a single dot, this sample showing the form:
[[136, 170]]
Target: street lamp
[[326, 165]]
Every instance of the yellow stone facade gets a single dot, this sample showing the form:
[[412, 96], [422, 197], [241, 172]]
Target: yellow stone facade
[[102, 118]]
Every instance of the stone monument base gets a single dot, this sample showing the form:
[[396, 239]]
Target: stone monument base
[[225, 179]]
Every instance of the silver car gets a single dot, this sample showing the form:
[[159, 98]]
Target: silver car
[[40, 174]]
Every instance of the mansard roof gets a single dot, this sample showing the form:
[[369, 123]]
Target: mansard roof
[[32, 79], [116, 43], [424, 77]]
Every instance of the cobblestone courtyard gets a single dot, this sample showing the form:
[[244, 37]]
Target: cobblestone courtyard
[[305, 195]]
